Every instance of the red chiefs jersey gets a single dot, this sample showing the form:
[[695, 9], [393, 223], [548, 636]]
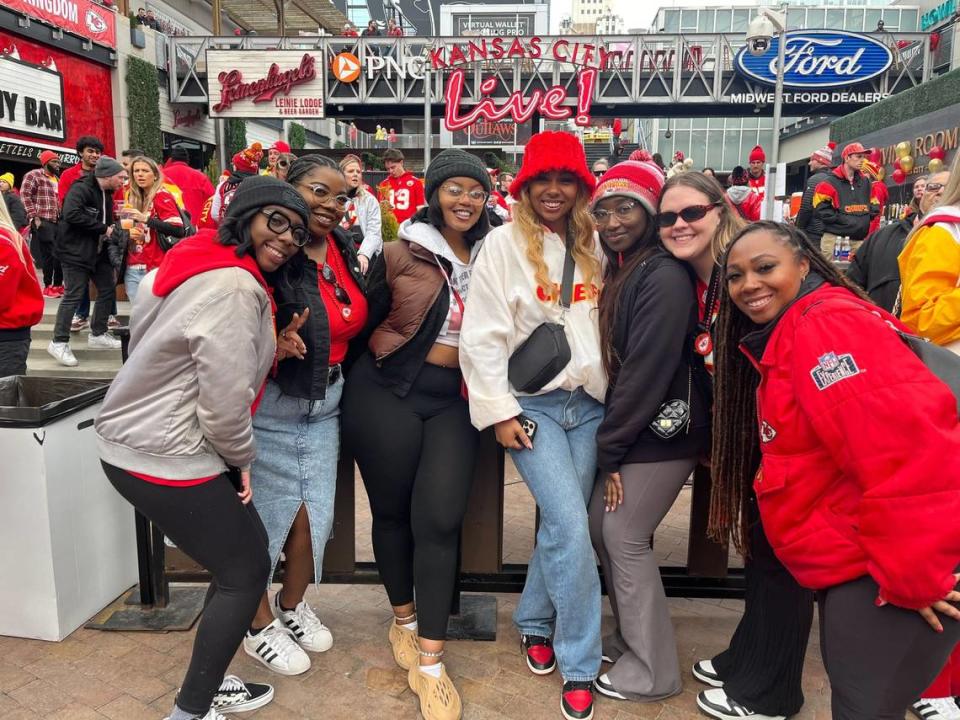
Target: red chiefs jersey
[[405, 195], [860, 470], [758, 185]]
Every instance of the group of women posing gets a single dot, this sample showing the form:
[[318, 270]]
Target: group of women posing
[[646, 282]]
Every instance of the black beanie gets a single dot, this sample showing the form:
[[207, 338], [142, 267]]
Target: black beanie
[[454, 163], [261, 190]]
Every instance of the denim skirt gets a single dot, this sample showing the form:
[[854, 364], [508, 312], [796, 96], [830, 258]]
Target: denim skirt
[[298, 446]]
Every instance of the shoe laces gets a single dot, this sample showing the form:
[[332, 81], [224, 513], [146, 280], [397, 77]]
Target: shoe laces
[[307, 618], [232, 684], [283, 642]]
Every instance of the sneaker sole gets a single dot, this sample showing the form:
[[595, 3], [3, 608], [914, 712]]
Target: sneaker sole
[[714, 713], [563, 711], [273, 668], [316, 648], [541, 671], [607, 659], [706, 679], [607, 692], [255, 704]]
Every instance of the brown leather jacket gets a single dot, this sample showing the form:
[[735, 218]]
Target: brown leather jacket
[[413, 284]]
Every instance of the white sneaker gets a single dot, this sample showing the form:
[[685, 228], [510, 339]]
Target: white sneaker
[[212, 714], [236, 696], [302, 621], [705, 672], [103, 341], [61, 352], [276, 648], [944, 708], [716, 704]]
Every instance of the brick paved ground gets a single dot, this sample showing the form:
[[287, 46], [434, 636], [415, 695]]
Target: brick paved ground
[[132, 676]]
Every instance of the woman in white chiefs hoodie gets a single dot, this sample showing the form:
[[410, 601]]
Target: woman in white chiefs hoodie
[[515, 287]]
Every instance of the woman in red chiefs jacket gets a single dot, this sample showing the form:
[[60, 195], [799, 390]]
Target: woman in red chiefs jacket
[[859, 478], [21, 298]]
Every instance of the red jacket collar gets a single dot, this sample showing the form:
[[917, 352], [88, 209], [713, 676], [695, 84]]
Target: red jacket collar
[[754, 345], [946, 214]]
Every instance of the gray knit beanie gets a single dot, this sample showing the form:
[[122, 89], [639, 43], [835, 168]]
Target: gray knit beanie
[[107, 167], [454, 163]]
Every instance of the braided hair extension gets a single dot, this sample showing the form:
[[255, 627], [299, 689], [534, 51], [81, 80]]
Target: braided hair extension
[[736, 440]]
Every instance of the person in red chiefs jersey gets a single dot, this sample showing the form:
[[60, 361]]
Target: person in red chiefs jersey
[[402, 189], [757, 179]]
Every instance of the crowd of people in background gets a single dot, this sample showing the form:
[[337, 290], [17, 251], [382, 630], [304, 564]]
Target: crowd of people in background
[[615, 326]]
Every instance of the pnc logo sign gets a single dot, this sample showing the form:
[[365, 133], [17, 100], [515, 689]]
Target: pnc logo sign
[[345, 67]]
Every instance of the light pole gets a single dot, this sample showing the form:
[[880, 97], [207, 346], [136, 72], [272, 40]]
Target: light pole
[[778, 20]]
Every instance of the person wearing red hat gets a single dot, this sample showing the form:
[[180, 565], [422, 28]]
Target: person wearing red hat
[[878, 188], [544, 267], [820, 164], [845, 202], [246, 163], [38, 191], [757, 179], [647, 313], [273, 154], [740, 194]]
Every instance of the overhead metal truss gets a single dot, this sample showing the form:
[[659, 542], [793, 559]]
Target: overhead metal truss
[[658, 75]]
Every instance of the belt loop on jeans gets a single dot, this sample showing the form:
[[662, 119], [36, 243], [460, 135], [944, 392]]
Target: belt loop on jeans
[[334, 373]]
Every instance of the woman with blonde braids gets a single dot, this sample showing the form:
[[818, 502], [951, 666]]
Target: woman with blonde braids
[[155, 211], [549, 424]]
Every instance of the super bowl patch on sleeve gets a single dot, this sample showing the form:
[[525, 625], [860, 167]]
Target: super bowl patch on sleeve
[[832, 368]]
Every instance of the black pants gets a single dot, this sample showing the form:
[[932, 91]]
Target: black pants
[[41, 245], [416, 455], [879, 660], [763, 666], [210, 524], [13, 356], [77, 277]]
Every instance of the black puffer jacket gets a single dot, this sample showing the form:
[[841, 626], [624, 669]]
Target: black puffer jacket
[[806, 218], [18, 213], [87, 213], [653, 337], [874, 266], [296, 286]]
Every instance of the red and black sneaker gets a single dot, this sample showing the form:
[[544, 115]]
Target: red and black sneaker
[[576, 701], [539, 653]]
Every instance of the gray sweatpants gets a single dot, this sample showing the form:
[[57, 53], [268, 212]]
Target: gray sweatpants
[[643, 646]]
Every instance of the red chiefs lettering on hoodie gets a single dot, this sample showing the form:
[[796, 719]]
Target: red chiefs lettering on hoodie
[[202, 341], [21, 299], [861, 450]]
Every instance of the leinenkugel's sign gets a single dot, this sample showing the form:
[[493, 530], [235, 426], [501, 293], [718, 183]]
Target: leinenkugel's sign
[[31, 99], [825, 64], [551, 103], [265, 83]]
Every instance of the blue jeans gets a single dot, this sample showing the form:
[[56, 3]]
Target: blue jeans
[[561, 598], [131, 281], [298, 446]]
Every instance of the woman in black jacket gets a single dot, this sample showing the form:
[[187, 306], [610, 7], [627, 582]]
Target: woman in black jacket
[[655, 426], [320, 308]]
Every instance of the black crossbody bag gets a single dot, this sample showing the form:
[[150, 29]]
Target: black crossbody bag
[[544, 355]]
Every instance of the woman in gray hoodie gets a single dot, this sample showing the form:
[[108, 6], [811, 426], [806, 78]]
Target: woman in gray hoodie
[[175, 433]]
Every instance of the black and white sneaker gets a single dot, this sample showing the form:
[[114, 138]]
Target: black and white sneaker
[[705, 672], [605, 687], [277, 648], [944, 708], [302, 621], [236, 696], [716, 704]]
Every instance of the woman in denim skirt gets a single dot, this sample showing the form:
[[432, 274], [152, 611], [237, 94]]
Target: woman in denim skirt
[[320, 307], [516, 287]]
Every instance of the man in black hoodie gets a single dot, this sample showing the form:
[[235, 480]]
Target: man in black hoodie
[[85, 224], [820, 162]]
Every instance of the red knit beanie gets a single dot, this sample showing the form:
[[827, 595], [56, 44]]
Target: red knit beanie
[[553, 151], [641, 156], [248, 160], [758, 154], [640, 181], [280, 146]]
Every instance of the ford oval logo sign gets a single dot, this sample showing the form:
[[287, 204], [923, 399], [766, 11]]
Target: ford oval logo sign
[[819, 59]]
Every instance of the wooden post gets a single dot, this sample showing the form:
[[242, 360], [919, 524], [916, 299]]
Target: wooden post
[[705, 557], [217, 29]]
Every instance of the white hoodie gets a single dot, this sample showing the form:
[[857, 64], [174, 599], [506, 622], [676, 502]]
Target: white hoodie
[[505, 307]]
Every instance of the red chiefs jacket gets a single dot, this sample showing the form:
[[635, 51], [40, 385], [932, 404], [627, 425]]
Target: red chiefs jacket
[[21, 297], [861, 450]]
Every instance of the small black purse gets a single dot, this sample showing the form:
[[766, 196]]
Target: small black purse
[[544, 355], [674, 415]]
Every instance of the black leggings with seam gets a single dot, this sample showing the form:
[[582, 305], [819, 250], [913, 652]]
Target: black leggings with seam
[[416, 455], [210, 524]]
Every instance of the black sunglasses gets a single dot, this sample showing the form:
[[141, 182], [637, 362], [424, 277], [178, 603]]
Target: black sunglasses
[[689, 215], [338, 292], [278, 223], [599, 173]]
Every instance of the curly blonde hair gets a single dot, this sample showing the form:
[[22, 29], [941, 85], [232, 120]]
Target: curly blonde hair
[[580, 226]]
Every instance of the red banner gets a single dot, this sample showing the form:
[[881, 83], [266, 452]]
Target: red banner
[[80, 17]]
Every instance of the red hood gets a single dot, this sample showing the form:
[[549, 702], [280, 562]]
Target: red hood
[[945, 214], [196, 255]]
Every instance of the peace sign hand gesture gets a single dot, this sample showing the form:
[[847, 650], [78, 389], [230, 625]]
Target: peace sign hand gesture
[[289, 342]]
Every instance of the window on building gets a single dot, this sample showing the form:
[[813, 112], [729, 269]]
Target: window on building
[[731, 147], [855, 20], [815, 18], [688, 21], [741, 19], [835, 19], [672, 21], [908, 21], [724, 19], [706, 22]]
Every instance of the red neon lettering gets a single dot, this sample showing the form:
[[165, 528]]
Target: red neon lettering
[[233, 88], [557, 46], [436, 58]]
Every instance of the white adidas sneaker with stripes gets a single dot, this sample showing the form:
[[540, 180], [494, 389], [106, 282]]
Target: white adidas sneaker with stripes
[[276, 648], [302, 621]]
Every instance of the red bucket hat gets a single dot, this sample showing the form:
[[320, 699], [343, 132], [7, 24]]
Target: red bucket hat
[[553, 151]]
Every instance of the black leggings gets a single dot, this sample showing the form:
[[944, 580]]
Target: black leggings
[[416, 455], [210, 524], [878, 660], [763, 666]]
